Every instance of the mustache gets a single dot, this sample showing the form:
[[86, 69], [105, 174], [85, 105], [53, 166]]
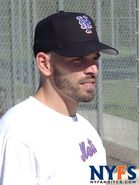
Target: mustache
[[89, 78]]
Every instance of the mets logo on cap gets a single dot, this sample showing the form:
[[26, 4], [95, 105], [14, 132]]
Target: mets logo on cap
[[85, 23]]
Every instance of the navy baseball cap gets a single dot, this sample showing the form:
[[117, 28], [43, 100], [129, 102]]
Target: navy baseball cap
[[69, 34]]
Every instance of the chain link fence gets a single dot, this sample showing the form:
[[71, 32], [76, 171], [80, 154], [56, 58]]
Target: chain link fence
[[114, 111]]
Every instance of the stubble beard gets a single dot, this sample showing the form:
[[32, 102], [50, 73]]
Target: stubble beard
[[67, 88]]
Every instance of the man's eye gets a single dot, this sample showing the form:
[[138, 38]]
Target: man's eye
[[77, 61]]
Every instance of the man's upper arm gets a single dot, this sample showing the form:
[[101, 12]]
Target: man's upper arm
[[18, 164]]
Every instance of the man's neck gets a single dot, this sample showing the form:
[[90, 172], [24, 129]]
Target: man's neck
[[52, 99]]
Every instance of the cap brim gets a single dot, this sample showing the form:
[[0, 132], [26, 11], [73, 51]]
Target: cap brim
[[86, 48]]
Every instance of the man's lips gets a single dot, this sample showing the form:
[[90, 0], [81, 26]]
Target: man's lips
[[88, 81], [89, 84]]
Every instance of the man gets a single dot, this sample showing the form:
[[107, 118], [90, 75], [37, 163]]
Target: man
[[43, 140]]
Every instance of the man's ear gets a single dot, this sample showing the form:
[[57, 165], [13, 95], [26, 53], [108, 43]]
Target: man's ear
[[43, 62]]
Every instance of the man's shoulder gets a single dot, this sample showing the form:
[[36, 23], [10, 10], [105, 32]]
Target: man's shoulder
[[83, 119], [19, 120], [17, 110], [18, 116], [87, 125]]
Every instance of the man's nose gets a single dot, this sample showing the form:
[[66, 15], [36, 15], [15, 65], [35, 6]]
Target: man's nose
[[91, 69]]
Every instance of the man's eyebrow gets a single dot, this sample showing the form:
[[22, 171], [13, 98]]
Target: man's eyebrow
[[74, 58]]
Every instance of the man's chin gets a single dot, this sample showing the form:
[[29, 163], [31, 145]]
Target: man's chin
[[87, 98]]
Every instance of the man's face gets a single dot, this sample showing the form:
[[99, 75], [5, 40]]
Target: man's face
[[75, 78]]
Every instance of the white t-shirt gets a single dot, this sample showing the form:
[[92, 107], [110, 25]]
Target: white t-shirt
[[39, 146]]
